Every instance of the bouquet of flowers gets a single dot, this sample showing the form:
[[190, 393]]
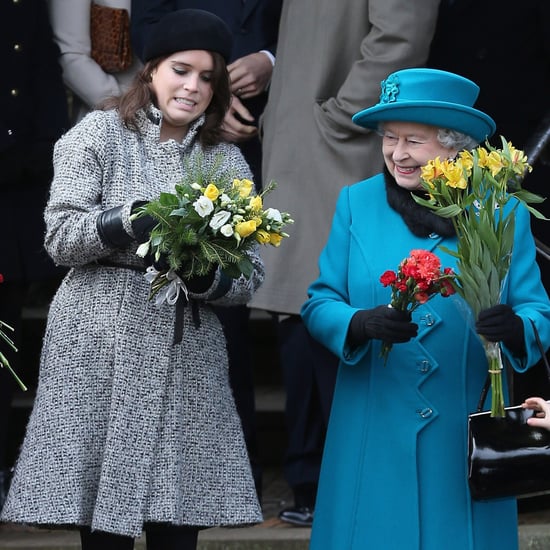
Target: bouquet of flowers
[[418, 279], [208, 221], [4, 363], [473, 190]]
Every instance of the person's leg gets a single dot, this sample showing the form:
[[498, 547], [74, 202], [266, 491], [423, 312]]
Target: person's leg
[[99, 540], [309, 373], [235, 322], [161, 536]]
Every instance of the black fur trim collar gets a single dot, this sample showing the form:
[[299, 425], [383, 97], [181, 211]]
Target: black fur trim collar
[[421, 221]]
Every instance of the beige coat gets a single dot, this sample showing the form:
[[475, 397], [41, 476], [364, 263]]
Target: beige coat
[[331, 58], [70, 21]]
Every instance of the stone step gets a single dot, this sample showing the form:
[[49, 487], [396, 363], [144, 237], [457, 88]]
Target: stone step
[[263, 537]]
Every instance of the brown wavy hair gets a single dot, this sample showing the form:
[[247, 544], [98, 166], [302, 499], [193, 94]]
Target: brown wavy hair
[[140, 94]]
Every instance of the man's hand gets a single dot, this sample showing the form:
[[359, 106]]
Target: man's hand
[[233, 127], [250, 75]]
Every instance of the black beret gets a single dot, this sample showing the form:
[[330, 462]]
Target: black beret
[[188, 29]]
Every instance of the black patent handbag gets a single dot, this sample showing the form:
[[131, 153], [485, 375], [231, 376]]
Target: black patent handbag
[[506, 456]]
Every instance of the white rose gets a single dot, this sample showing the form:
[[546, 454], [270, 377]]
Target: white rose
[[203, 206], [227, 230], [273, 214], [219, 219]]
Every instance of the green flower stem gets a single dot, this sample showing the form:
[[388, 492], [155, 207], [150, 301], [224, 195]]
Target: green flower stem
[[494, 359], [4, 363]]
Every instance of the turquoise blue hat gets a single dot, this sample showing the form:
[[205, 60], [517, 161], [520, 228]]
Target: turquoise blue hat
[[429, 96]]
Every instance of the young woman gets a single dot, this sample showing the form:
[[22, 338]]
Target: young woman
[[133, 428]]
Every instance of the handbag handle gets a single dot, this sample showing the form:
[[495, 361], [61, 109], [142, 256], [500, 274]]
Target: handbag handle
[[487, 385]]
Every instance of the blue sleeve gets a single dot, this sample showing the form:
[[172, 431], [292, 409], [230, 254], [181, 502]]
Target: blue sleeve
[[327, 312], [525, 292]]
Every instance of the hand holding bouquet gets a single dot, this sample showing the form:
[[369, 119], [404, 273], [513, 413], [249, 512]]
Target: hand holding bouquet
[[474, 190], [209, 221], [418, 279]]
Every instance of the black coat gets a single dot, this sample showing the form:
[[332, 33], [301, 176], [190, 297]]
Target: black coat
[[33, 116], [504, 47]]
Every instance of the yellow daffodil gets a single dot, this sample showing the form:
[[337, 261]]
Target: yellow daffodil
[[454, 172], [485, 178], [491, 160], [211, 192], [519, 161], [467, 160]]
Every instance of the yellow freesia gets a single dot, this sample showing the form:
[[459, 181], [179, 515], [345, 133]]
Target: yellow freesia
[[211, 192], [244, 229], [256, 203], [244, 186], [263, 237], [275, 239]]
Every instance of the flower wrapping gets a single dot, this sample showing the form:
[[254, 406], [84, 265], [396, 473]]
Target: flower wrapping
[[473, 190]]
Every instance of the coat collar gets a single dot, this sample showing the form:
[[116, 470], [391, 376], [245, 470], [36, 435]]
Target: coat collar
[[421, 221], [150, 119]]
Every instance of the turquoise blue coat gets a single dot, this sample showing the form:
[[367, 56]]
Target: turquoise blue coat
[[394, 467]]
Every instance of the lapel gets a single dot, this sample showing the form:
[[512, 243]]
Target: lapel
[[248, 7]]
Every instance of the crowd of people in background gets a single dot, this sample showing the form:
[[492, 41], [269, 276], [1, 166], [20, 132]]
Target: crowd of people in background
[[298, 71]]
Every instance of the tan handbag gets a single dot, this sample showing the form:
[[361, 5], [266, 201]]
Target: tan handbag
[[110, 36]]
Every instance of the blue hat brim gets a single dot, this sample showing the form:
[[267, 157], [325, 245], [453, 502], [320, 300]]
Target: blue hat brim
[[451, 116]]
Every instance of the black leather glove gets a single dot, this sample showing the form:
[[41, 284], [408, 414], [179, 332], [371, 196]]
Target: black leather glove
[[111, 229], [500, 324], [200, 283], [382, 323], [143, 225]]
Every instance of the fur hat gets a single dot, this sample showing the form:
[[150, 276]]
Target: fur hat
[[188, 29], [429, 96]]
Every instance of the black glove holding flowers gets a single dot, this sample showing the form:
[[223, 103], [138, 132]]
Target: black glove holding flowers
[[382, 323], [111, 228], [500, 324]]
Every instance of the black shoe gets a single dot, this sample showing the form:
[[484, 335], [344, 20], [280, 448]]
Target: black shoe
[[302, 517]]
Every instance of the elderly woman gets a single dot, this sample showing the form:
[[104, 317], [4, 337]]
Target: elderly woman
[[132, 428], [394, 468]]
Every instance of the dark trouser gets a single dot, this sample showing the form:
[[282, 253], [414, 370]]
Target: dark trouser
[[309, 374], [235, 322], [158, 537]]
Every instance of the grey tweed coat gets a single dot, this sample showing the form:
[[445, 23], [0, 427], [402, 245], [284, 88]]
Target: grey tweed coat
[[127, 427]]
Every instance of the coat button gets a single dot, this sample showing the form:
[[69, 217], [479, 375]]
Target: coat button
[[427, 319], [17, 48], [424, 366], [14, 92], [425, 413]]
